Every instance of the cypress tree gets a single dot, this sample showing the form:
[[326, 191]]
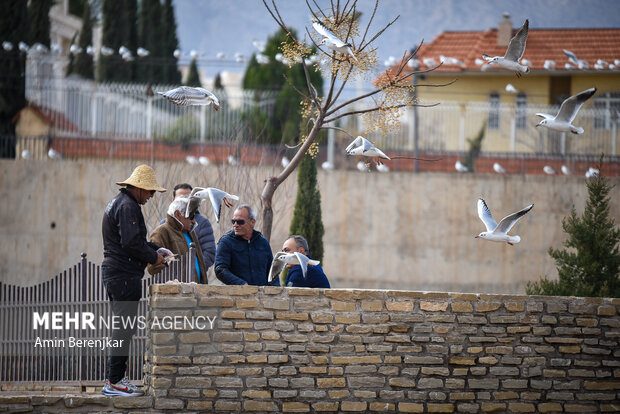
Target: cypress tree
[[307, 220], [13, 28], [149, 37], [39, 11], [83, 65], [130, 39], [217, 82], [193, 77], [171, 74], [590, 263], [110, 68]]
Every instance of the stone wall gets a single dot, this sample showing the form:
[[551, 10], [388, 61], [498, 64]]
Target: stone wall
[[277, 349]]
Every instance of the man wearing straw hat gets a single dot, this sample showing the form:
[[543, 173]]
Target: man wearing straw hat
[[126, 252]]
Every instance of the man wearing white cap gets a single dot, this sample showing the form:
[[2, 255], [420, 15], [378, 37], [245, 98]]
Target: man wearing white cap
[[126, 252]]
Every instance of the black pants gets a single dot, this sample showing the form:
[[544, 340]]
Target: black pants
[[124, 294]]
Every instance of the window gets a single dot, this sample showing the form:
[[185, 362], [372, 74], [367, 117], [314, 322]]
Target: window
[[521, 111], [493, 111], [607, 109]]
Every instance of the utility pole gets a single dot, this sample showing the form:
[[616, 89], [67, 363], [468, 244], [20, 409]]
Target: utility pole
[[415, 129]]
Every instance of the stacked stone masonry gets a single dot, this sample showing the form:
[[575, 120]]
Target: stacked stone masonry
[[275, 349]]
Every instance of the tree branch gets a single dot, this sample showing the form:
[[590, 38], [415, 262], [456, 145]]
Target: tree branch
[[363, 111]]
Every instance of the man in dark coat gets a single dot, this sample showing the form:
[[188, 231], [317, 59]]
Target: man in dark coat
[[126, 252], [243, 255]]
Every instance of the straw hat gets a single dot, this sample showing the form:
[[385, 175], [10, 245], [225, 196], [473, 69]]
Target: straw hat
[[143, 177]]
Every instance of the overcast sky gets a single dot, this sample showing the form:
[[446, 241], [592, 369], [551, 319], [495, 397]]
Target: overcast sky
[[212, 26]]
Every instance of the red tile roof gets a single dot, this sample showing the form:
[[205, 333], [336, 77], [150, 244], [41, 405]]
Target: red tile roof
[[542, 44]]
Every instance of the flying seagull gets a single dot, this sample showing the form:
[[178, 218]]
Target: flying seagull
[[514, 53], [361, 146], [562, 122], [295, 258], [572, 58], [499, 232], [331, 41], [216, 196], [186, 95]]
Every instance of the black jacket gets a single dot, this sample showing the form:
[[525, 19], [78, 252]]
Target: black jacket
[[125, 247]]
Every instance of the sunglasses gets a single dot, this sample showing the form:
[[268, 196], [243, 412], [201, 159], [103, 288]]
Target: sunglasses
[[240, 222]]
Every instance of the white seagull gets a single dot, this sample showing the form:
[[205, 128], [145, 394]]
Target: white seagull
[[499, 232], [549, 64], [514, 53], [327, 166], [361, 146], [53, 154], [186, 95], [511, 89], [592, 172], [191, 160], [295, 258], [572, 58], [548, 170], [285, 161], [383, 168], [6, 45], [331, 41], [562, 122], [460, 167], [216, 196], [106, 51], [498, 168], [204, 160], [142, 52], [565, 170], [361, 165]]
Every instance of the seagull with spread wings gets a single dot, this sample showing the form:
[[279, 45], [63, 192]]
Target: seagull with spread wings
[[514, 53], [499, 232], [186, 96], [562, 122], [361, 146], [216, 196], [295, 258], [331, 41]]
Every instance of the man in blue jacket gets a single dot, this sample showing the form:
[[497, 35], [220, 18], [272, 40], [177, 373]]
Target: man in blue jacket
[[243, 255], [315, 277]]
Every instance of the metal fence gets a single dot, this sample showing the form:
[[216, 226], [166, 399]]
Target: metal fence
[[77, 289], [78, 107]]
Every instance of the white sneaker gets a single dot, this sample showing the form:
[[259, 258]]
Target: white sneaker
[[122, 388]]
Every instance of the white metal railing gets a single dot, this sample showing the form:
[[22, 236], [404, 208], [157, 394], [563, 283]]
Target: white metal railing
[[133, 111]]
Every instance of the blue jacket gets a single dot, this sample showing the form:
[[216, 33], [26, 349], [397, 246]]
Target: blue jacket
[[315, 277], [206, 239], [239, 261]]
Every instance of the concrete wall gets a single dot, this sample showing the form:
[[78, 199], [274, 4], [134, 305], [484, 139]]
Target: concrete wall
[[396, 230], [309, 350]]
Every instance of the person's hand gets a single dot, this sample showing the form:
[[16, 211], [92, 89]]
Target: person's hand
[[160, 259], [164, 252]]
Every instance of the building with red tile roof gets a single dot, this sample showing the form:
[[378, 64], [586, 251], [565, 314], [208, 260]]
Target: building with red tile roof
[[506, 104]]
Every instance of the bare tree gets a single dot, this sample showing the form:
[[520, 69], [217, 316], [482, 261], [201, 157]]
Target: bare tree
[[392, 91]]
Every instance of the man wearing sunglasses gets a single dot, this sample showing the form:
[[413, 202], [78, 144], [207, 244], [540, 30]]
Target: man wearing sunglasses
[[243, 255], [176, 234]]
